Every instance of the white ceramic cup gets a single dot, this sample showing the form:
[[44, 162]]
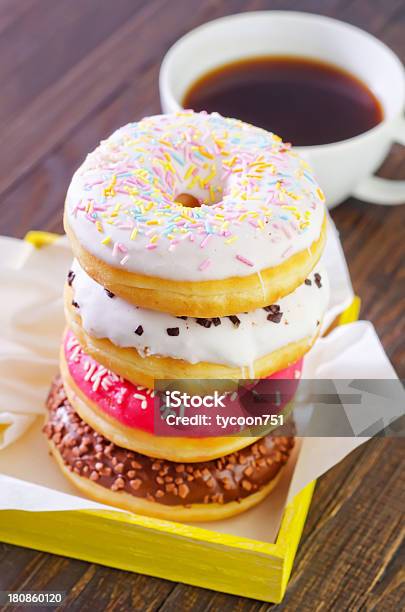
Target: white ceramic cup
[[343, 168]]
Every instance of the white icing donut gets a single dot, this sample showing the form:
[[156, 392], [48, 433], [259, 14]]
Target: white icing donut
[[259, 201], [225, 343]]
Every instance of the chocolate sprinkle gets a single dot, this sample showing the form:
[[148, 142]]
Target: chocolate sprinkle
[[204, 322], [274, 308], [307, 281], [173, 331], [235, 320], [317, 278], [75, 304], [109, 293], [70, 277], [139, 330], [274, 317], [222, 480], [216, 321], [184, 318]]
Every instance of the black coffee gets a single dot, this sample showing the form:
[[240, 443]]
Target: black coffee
[[305, 101]]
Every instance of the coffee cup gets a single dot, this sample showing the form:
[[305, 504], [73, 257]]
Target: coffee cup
[[344, 168]]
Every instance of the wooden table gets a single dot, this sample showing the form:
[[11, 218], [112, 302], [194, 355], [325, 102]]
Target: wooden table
[[72, 71]]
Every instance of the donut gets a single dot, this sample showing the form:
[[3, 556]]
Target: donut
[[143, 345], [195, 214], [115, 476], [124, 413]]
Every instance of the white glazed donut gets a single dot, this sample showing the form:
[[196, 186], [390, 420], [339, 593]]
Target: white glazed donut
[[161, 345], [255, 233]]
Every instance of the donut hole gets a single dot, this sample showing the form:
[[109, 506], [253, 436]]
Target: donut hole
[[188, 200]]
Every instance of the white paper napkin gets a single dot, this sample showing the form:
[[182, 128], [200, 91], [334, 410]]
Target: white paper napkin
[[31, 323]]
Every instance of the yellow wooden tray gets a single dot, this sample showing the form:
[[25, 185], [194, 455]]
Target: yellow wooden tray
[[174, 551]]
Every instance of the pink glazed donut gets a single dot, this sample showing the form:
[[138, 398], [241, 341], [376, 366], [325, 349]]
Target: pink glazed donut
[[125, 413]]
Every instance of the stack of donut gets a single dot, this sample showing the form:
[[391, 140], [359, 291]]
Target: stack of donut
[[197, 242]]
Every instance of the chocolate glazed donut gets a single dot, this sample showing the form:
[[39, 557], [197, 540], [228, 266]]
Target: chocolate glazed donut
[[197, 491]]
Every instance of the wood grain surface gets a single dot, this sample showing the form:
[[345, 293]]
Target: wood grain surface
[[71, 72]]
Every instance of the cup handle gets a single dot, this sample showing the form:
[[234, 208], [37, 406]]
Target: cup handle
[[377, 190]]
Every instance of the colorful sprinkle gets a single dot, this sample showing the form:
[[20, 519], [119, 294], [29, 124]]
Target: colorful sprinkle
[[204, 265], [244, 260]]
